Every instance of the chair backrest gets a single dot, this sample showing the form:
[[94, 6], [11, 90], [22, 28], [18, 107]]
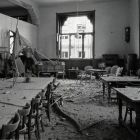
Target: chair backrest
[[34, 106], [25, 111], [48, 92], [119, 71], [36, 101], [63, 65], [88, 67], [108, 70], [12, 126], [114, 69], [49, 98]]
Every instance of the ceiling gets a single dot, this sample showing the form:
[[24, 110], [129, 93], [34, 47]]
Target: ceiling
[[53, 1], [45, 2], [6, 4], [13, 10]]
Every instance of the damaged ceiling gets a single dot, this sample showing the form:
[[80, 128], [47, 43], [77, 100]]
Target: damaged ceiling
[[18, 8], [29, 8]]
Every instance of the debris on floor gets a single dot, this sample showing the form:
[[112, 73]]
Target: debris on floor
[[84, 102]]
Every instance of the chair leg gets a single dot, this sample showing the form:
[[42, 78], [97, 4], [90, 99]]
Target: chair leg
[[126, 112], [42, 126], [63, 76], [130, 118], [36, 134], [130, 112], [37, 127], [17, 134], [24, 136], [48, 113], [29, 127]]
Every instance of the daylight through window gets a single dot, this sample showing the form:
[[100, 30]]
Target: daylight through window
[[76, 38]]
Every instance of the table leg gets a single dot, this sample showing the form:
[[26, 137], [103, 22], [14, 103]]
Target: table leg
[[137, 122], [109, 92], [120, 111], [103, 89], [96, 75], [90, 77], [68, 74]]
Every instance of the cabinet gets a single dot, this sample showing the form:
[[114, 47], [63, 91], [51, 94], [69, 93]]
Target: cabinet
[[110, 59]]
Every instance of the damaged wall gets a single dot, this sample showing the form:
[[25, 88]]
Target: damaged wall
[[27, 30], [31, 7]]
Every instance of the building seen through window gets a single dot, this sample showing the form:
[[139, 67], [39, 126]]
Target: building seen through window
[[76, 38]]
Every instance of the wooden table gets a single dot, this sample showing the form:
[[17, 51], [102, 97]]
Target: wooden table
[[17, 97], [112, 81], [12, 99], [35, 83], [96, 72], [132, 97]]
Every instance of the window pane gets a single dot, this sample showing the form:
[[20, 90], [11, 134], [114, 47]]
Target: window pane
[[65, 46], [11, 42], [76, 39], [76, 46], [88, 41], [79, 24]]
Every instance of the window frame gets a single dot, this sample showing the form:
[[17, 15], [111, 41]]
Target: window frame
[[89, 14]]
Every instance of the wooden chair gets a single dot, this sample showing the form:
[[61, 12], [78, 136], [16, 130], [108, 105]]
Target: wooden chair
[[107, 69], [61, 72], [10, 130], [129, 109], [113, 70], [36, 108], [85, 75], [48, 100], [24, 122]]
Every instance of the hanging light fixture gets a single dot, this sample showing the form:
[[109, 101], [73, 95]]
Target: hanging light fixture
[[77, 15]]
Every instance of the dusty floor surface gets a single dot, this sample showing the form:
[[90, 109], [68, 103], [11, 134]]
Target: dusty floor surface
[[84, 103]]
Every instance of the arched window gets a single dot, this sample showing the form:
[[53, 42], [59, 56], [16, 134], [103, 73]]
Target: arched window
[[75, 38]]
